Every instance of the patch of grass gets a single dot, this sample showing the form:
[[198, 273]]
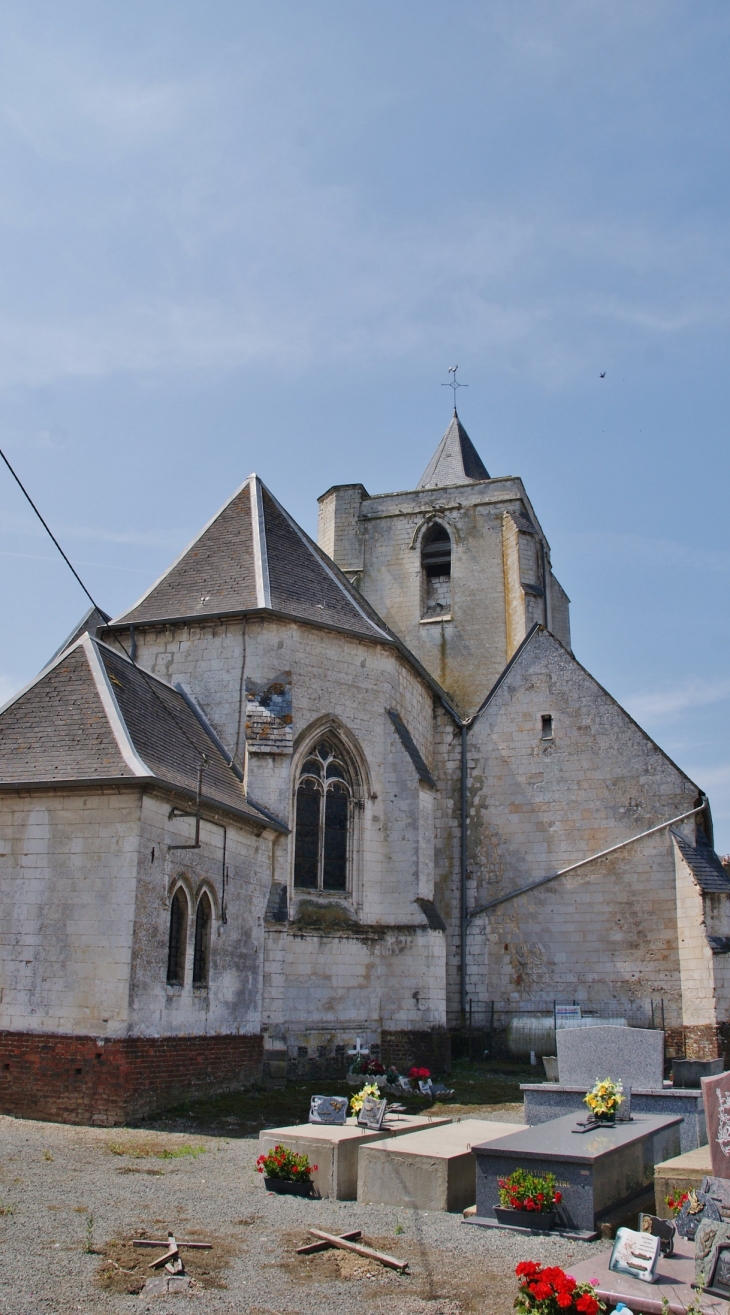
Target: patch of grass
[[476, 1083], [399, 1229], [89, 1238], [47, 1155], [160, 1151], [6, 1209]]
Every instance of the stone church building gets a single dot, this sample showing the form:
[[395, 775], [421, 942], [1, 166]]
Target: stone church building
[[301, 793]]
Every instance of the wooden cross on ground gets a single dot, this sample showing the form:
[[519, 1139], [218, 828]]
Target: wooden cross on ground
[[172, 1260]]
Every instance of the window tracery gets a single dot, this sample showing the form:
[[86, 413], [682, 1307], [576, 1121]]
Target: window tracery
[[323, 818]]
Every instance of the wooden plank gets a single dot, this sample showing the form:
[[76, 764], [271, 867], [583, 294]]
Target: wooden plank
[[311, 1247], [164, 1242], [359, 1250]]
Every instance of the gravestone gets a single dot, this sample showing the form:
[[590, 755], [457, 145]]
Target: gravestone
[[712, 1257], [697, 1210], [716, 1097], [372, 1113], [633, 1054], [328, 1109]]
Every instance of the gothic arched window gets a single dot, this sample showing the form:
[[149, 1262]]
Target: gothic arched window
[[178, 942], [436, 571], [324, 800], [201, 955]]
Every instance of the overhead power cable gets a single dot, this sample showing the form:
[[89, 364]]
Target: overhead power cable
[[142, 672]]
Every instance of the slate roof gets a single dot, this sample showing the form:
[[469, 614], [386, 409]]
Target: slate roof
[[704, 864], [455, 461], [253, 556], [94, 716]]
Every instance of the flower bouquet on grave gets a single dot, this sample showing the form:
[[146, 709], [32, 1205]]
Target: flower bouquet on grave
[[549, 1290], [528, 1200], [370, 1089], [286, 1171], [603, 1099]]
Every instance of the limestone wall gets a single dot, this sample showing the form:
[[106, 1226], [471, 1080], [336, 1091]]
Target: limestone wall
[[490, 611], [230, 1002], [68, 868], [608, 931], [342, 686]]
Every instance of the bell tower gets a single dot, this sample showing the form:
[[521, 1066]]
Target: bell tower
[[459, 568]]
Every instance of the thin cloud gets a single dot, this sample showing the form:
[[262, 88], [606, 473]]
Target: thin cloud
[[666, 705]]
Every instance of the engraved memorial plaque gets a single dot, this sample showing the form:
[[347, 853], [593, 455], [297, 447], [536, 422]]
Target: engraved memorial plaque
[[328, 1109], [372, 1113]]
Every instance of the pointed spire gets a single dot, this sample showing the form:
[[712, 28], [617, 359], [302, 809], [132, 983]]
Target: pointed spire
[[455, 461]]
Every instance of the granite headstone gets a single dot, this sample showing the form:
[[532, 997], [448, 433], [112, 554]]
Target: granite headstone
[[716, 1098], [633, 1054]]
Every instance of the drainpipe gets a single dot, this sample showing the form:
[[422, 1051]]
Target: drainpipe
[[464, 915]]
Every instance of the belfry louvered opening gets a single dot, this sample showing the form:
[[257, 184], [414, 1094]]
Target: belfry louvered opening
[[436, 571]]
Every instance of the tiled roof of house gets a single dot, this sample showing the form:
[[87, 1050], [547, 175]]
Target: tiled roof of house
[[704, 864], [455, 461], [95, 716], [254, 556]]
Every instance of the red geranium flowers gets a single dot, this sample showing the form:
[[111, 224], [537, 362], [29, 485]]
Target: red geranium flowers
[[549, 1290]]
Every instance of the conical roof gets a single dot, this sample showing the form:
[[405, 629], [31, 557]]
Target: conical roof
[[455, 461], [251, 556]]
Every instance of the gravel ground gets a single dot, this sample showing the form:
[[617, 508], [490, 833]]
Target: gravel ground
[[134, 1182]]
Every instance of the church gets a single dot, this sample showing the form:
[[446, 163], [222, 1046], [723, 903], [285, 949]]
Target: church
[[302, 793]]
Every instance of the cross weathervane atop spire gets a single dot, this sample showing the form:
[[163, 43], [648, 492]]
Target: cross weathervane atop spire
[[454, 383]]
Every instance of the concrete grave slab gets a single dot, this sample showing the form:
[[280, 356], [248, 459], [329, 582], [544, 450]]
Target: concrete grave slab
[[432, 1170], [334, 1149], [716, 1097], [596, 1171], [683, 1173], [633, 1054]]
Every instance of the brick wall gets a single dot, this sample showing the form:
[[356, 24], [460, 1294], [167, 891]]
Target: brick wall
[[78, 1079], [428, 1049]]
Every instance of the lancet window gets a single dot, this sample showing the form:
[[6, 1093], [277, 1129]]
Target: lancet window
[[178, 939], [201, 952], [323, 820]]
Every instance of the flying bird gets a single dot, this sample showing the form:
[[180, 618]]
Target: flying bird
[[603, 375]]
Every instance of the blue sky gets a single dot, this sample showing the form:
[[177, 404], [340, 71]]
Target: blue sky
[[243, 236]]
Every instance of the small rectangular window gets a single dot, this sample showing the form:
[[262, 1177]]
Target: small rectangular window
[[547, 726]]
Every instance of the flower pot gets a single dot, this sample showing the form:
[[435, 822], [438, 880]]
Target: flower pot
[[607, 1119], [540, 1221], [285, 1187]]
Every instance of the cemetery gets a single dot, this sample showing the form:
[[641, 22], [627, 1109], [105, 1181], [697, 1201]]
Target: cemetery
[[385, 1191]]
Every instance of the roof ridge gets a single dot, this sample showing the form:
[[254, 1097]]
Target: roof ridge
[[181, 555], [328, 566], [260, 547], [114, 716]]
